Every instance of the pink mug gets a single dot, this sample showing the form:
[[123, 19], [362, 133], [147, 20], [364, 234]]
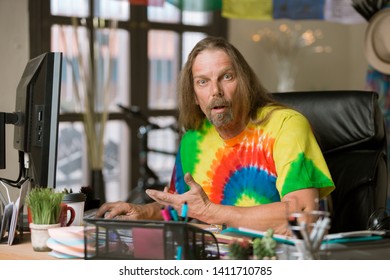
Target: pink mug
[[64, 215]]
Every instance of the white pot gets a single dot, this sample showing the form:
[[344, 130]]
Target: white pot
[[40, 235]]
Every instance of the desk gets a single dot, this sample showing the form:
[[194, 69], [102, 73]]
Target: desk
[[22, 251], [372, 250]]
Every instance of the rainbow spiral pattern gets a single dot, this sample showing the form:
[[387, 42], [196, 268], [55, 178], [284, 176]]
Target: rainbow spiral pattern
[[246, 170]]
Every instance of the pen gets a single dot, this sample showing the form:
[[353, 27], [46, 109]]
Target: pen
[[293, 223], [184, 211], [322, 230], [306, 238], [315, 229]]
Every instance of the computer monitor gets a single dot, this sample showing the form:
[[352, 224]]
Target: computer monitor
[[36, 118]]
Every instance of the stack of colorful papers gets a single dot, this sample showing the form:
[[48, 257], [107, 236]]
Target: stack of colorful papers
[[66, 242]]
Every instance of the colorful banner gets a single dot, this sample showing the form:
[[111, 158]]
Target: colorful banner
[[197, 5], [380, 82], [298, 9], [247, 9], [341, 11], [158, 3]]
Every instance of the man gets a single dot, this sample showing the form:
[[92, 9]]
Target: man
[[244, 160]]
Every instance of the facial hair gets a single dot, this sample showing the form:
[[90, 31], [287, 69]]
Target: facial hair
[[220, 119]]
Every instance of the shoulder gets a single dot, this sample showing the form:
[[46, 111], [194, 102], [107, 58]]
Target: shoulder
[[279, 114]]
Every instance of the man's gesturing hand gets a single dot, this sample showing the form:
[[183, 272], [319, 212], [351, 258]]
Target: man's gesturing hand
[[197, 200]]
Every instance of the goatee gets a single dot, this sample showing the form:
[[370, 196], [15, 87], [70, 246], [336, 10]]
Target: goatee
[[220, 119]]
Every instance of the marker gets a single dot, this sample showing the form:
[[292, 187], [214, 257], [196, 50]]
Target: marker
[[174, 215], [179, 251], [184, 211], [165, 214], [168, 212]]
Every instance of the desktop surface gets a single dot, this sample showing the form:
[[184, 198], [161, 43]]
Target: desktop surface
[[22, 250], [364, 250], [375, 249]]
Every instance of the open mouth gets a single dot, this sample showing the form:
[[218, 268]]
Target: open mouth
[[218, 105], [218, 108]]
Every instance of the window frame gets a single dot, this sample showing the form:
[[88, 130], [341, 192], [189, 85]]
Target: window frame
[[40, 22]]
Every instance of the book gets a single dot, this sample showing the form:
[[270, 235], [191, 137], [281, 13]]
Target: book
[[247, 232], [342, 237], [12, 211]]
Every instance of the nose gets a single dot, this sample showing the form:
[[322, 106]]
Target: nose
[[217, 89]]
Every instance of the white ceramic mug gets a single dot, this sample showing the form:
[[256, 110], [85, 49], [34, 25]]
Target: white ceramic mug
[[77, 202]]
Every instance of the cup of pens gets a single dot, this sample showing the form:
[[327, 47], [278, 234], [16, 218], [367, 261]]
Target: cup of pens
[[309, 229]]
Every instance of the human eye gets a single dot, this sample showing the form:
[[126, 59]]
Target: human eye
[[228, 76], [201, 82]]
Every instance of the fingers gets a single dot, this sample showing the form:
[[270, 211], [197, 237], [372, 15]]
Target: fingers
[[173, 199], [191, 182], [103, 209], [110, 210], [113, 213], [164, 198], [189, 179]]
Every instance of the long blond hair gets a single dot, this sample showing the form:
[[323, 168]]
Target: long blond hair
[[252, 93]]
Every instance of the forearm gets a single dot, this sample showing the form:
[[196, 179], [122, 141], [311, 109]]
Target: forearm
[[261, 217]]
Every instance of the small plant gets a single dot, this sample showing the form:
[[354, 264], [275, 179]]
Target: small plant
[[45, 205], [239, 249], [264, 248], [66, 191]]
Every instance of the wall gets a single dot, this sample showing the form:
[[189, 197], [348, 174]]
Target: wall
[[343, 68], [14, 53]]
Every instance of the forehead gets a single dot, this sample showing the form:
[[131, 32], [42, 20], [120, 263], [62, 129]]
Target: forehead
[[211, 59]]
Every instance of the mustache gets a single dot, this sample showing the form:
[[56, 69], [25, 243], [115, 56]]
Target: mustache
[[218, 102]]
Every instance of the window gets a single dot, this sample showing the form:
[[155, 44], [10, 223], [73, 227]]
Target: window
[[141, 50]]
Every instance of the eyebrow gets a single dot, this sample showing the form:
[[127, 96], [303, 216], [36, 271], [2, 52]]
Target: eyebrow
[[223, 71]]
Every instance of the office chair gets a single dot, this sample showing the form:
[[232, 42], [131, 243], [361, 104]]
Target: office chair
[[351, 132]]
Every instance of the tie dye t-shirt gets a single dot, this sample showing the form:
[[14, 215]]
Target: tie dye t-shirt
[[258, 166]]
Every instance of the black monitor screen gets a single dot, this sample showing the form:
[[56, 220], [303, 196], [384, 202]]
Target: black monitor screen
[[37, 107]]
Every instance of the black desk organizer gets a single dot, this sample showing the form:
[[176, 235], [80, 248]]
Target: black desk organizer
[[126, 239]]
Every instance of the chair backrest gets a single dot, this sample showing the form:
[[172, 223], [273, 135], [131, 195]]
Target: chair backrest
[[351, 132]]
